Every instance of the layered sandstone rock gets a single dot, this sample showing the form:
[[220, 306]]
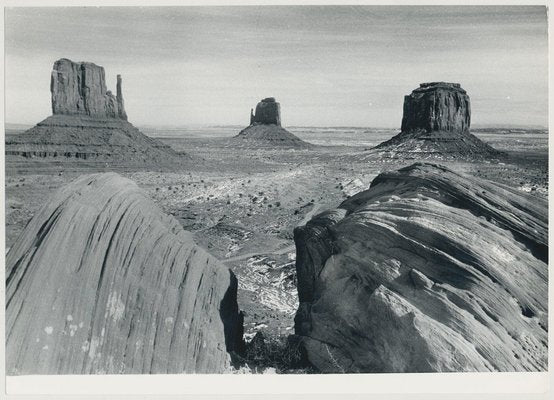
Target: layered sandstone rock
[[101, 281], [436, 122], [428, 270], [81, 137], [80, 88], [89, 122]]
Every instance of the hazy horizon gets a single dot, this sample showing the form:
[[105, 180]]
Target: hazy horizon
[[328, 66]]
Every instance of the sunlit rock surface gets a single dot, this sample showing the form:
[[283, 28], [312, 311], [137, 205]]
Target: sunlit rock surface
[[101, 281], [428, 270]]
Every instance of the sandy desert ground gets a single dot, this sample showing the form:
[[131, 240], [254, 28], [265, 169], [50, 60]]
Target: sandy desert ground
[[242, 204]]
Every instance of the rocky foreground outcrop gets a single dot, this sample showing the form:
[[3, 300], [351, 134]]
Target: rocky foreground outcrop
[[428, 270], [436, 122], [265, 129], [101, 281], [88, 123]]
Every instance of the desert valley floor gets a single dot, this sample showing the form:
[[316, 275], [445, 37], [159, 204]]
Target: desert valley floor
[[242, 203]]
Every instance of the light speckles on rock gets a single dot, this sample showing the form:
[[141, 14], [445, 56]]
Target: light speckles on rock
[[115, 306], [141, 269]]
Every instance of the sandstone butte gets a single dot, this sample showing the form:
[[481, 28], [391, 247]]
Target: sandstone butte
[[87, 122], [436, 120], [101, 281], [428, 270], [265, 128]]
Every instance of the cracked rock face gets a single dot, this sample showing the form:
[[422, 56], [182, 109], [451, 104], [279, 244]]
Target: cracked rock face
[[80, 88], [428, 270], [101, 281]]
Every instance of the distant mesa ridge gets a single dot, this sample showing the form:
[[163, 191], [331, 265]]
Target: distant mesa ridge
[[265, 128], [88, 123], [436, 120], [437, 106]]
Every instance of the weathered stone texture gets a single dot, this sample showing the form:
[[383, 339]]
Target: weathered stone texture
[[80, 88], [437, 106], [101, 281], [427, 271]]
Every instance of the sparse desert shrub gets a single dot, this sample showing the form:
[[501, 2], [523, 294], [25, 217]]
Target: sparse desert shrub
[[277, 204], [283, 353]]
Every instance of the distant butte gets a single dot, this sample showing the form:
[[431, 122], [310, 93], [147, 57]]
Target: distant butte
[[88, 123], [79, 88], [265, 128], [436, 121]]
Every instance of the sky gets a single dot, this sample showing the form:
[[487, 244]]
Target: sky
[[326, 65]]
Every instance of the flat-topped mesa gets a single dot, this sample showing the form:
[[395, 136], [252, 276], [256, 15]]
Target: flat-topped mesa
[[268, 112], [80, 88], [437, 106]]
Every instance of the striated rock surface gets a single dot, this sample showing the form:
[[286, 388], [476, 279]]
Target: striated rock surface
[[89, 123], [101, 281], [436, 121], [88, 138], [428, 270], [80, 88], [265, 129]]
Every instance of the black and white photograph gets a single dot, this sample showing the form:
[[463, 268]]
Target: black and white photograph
[[266, 189]]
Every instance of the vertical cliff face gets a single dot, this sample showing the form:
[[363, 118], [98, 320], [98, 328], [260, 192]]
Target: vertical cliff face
[[268, 112], [120, 105], [437, 106], [80, 88], [101, 281]]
